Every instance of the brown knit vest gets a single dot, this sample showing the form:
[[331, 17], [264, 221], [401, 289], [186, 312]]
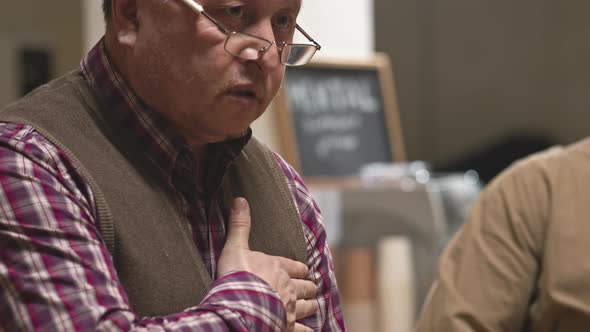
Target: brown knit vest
[[155, 257]]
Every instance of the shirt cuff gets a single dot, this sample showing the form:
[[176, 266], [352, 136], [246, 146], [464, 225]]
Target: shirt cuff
[[246, 294]]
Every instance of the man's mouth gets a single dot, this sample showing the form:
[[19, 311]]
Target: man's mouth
[[244, 93]]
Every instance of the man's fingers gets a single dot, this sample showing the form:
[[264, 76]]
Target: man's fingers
[[295, 269], [301, 328], [304, 308], [239, 224], [305, 289]]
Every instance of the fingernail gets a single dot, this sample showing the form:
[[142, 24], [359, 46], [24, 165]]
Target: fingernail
[[240, 204]]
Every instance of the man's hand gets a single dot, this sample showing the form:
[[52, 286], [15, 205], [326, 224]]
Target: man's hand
[[285, 276]]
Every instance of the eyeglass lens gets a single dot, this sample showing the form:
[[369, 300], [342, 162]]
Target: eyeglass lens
[[297, 54], [251, 48]]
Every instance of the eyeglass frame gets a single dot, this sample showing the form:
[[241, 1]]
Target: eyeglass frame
[[199, 9]]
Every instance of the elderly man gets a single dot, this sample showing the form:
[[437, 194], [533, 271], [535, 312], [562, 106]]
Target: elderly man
[[133, 195]]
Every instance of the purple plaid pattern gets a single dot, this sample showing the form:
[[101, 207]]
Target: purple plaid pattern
[[55, 271]]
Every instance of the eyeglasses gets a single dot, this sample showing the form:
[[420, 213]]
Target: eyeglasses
[[250, 47]]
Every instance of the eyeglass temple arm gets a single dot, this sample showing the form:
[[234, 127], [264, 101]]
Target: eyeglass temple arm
[[318, 46], [194, 6], [199, 9]]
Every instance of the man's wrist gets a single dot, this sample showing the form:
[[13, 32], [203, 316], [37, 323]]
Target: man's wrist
[[250, 296]]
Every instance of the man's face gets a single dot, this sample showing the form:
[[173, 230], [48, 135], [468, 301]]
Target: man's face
[[180, 68]]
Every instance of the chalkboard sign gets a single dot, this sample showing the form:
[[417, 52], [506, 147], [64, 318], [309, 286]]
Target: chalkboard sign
[[336, 116]]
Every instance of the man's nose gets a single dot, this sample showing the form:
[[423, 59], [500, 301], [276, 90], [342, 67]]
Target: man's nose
[[269, 58]]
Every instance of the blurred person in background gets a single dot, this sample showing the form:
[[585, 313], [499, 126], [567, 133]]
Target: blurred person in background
[[520, 262], [134, 196]]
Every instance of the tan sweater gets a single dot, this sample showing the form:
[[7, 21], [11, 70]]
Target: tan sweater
[[522, 261]]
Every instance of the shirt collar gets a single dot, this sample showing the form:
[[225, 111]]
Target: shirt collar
[[147, 128]]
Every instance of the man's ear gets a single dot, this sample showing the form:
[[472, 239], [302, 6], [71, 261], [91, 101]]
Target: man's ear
[[125, 21]]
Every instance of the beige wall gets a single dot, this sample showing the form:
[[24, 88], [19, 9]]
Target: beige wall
[[469, 72], [52, 24], [92, 23]]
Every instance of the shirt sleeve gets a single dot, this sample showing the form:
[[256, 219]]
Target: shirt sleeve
[[56, 273], [487, 274], [319, 259]]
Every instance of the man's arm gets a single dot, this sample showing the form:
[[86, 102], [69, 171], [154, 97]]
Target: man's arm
[[487, 275], [329, 316], [56, 273]]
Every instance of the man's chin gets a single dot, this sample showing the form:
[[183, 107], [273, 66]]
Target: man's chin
[[238, 134], [229, 136], [200, 141]]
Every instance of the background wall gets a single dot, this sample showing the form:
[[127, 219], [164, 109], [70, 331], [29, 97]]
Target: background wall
[[470, 72], [92, 22], [54, 25]]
